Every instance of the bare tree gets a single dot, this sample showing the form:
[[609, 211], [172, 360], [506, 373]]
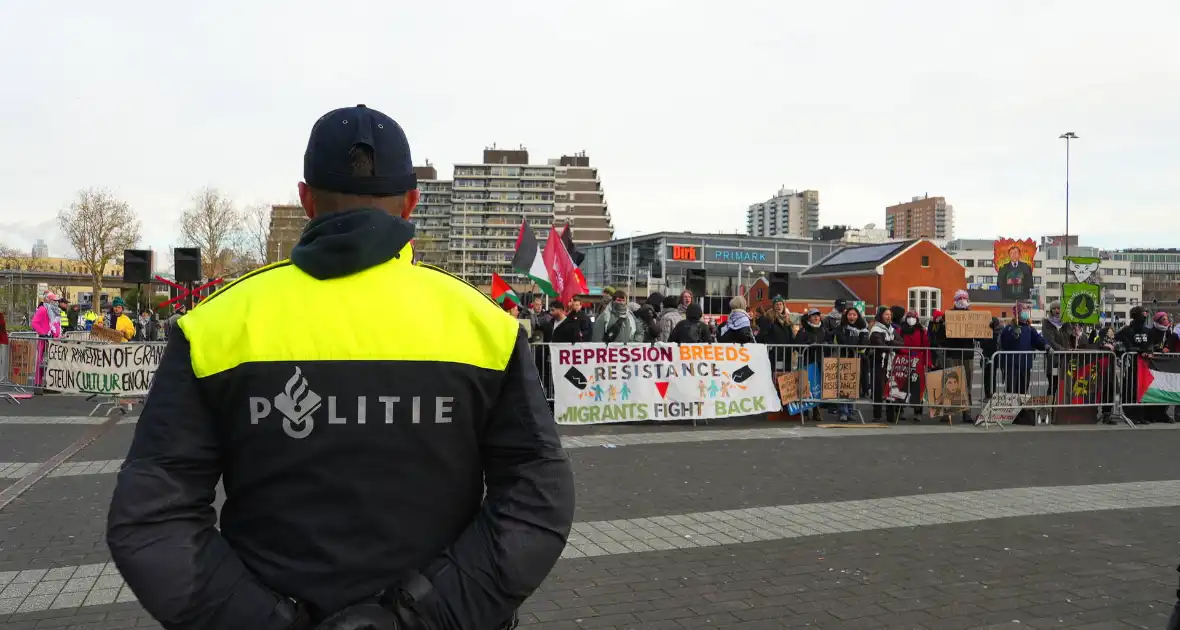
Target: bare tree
[[99, 227], [256, 234], [213, 224]]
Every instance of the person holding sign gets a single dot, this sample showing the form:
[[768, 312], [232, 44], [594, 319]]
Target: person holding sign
[[960, 350]]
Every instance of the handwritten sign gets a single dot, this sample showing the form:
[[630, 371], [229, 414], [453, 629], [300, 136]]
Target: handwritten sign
[[124, 369], [1002, 408], [792, 387], [22, 360], [903, 369], [968, 325], [841, 378]]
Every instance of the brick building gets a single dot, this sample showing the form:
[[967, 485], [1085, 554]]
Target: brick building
[[916, 274]]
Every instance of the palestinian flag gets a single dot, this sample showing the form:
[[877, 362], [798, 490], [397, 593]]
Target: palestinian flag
[[502, 292], [527, 259], [1159, 380]]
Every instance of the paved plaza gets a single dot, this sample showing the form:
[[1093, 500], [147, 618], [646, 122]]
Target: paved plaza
[[743, 525]]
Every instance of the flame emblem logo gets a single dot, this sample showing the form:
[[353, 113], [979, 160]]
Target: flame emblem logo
[[297, 403]]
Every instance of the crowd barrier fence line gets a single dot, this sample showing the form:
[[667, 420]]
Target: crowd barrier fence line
[[1002, 386]]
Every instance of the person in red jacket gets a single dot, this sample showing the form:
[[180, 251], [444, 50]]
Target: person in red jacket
[[915, 341]]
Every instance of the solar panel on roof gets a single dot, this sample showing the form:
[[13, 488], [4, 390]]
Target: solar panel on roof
[[863, 254]]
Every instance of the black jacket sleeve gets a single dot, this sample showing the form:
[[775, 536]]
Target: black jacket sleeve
[[526, 517], [160, 527]]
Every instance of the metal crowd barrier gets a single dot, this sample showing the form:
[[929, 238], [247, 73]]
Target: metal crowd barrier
[[1071, 386], [841, 379], [1056, 386], [21, 360], [1131, 410]]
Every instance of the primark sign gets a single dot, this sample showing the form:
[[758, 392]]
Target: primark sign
[[725, 254]]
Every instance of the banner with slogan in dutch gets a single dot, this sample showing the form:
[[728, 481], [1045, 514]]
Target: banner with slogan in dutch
[[124, 369], [595, 383]]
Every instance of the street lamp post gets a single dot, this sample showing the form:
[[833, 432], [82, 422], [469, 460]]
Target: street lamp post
[[1067, 136]]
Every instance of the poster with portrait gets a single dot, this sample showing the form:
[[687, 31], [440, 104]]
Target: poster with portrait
[[946, 392], [1014, 267]]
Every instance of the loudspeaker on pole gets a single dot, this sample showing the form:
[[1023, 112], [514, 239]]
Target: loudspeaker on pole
[[137, 266], [187, 264]]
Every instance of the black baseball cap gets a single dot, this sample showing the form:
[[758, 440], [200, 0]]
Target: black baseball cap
[[327, 165]]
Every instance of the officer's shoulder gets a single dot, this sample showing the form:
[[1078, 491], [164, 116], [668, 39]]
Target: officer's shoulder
[[240, 284], [472, 294]]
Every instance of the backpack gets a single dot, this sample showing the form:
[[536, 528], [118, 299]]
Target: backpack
[[692, 333]]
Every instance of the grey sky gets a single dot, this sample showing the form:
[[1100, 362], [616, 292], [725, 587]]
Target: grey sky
[[691, 110]]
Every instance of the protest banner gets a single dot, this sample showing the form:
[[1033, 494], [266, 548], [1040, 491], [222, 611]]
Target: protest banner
[[968, 324], [124, 369], [841, 378], [595, 383], [946, 392]]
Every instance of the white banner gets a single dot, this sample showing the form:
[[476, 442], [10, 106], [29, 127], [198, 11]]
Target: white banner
[[595, 382], [116, 369]]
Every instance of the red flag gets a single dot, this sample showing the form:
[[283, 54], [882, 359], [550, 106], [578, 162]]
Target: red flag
[[567, 280]]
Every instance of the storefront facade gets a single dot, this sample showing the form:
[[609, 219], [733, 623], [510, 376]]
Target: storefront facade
[[661, 261]]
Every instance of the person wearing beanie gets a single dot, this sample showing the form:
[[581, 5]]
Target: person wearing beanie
[[1135, 337], [1021, 338], [119, 321], [617, 323], [832, 322], [691, 329], [670, 316]]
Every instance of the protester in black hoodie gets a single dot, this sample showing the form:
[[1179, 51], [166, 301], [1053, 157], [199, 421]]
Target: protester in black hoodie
[[1135, 337], [691, 329]]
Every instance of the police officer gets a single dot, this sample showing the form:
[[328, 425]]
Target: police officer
[[409, 476]]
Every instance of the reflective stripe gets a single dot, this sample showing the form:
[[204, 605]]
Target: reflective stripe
[[326, 323]]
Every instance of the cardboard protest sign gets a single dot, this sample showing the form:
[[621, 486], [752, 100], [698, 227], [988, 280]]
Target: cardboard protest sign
[[946, 392], [900, 372], [22, 361], [792, 387], [107, 335], [968, 324], [124, 369], [1002, 408], [841, 378], [595, 382]]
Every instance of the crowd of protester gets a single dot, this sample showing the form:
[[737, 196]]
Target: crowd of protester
[[893, 331], [55, 317]]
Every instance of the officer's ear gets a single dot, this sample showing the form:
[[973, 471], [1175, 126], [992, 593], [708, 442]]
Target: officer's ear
[[307, 200], [409, 202]]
